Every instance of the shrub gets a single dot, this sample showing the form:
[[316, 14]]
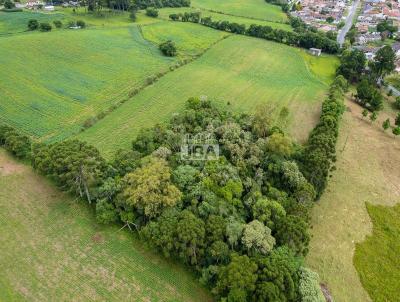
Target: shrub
[[45, 26], [33, 24], [57, 23], [81, 23], [152, 12], [168, 48], [8, 4], [14, 142], [132, 15]]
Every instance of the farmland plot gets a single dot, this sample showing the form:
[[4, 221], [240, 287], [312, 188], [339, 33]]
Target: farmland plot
[[240, 71]]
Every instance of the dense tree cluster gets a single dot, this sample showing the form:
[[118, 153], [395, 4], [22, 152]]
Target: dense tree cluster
[[168, 48], [240, 220], [302, 37], [320, 151], [142, 4]]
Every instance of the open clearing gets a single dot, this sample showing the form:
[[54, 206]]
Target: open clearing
[[52, 249], [367, 171], [258, 9], [241, 71]]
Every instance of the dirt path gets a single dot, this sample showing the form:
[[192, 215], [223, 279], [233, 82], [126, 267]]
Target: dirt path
[[367, 171]]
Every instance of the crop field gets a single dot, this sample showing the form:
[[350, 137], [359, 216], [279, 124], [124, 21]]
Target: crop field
[[165, 12], [257, 9], [86, 72], [240, 71], [52, 249], [368, 165], [377, 258], [183, 34]]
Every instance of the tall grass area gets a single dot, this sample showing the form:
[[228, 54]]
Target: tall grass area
[[258, 9], [52, 82], [52, 249], [377, 258], [240, 71]]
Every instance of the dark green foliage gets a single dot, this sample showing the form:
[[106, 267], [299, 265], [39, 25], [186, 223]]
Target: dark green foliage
[[57, 23], [152, 12], [168, 48], [368, 96], [132, 15], [386, 25], [45, 26], [16, 143], [384, 62], [397, 120], [8, 4], [142, 4], [81, 23], [352, 64], [292, 231], [73, 165], [33, 24], [320, 151], [397, 103], [303, 37]]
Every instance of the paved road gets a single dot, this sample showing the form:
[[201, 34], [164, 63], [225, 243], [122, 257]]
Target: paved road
[[349, 22]]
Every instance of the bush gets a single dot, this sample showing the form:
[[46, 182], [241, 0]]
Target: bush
[[14, 142], [45, 26], [81, 23], [57, 23], [152, 12], [168, 48], [8, 4], [132, 15], [33, 24]]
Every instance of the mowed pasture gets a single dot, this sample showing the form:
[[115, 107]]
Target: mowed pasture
[[57, 80], [165, 12], [239, 72], [368, 165], [257, 9], [52, 249]]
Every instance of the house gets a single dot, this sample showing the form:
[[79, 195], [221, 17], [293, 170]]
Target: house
[[315, 51]]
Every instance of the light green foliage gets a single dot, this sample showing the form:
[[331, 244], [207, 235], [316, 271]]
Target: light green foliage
[[149, 189], [279, 144], [240, 70], [268, 212], [377, 259], [257, 9], [257, 238], [310, 290]]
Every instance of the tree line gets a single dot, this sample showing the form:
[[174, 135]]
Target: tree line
[[301, 37], [241, 220]]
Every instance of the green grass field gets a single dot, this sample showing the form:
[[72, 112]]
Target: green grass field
[[240, 70], [52, 249], [165, 12], [57, 80], [258, 9], [183, 34], [368, 165], [377, 258]]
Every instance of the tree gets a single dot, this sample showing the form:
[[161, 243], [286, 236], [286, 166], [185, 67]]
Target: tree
[[269, 212], [149, 188], [373, 116], [45, 26], [168, 48], [384, 62], [310, 290], [368, 96], [280, 144], [33, 24], [152, 12], [365, 113], [57, 23], [397, 102], [257, 238], [386, 124], [292, 231], [352, 64], [396, 131], [132, 15], [8, 4], [397, 120], [237, 279], [234, 231]]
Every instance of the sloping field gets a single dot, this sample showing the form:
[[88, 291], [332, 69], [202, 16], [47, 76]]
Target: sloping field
[[184, 34], [51, 249], [56, 80], [258, 9], [165, 12], [368, 165], [241, 71]]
